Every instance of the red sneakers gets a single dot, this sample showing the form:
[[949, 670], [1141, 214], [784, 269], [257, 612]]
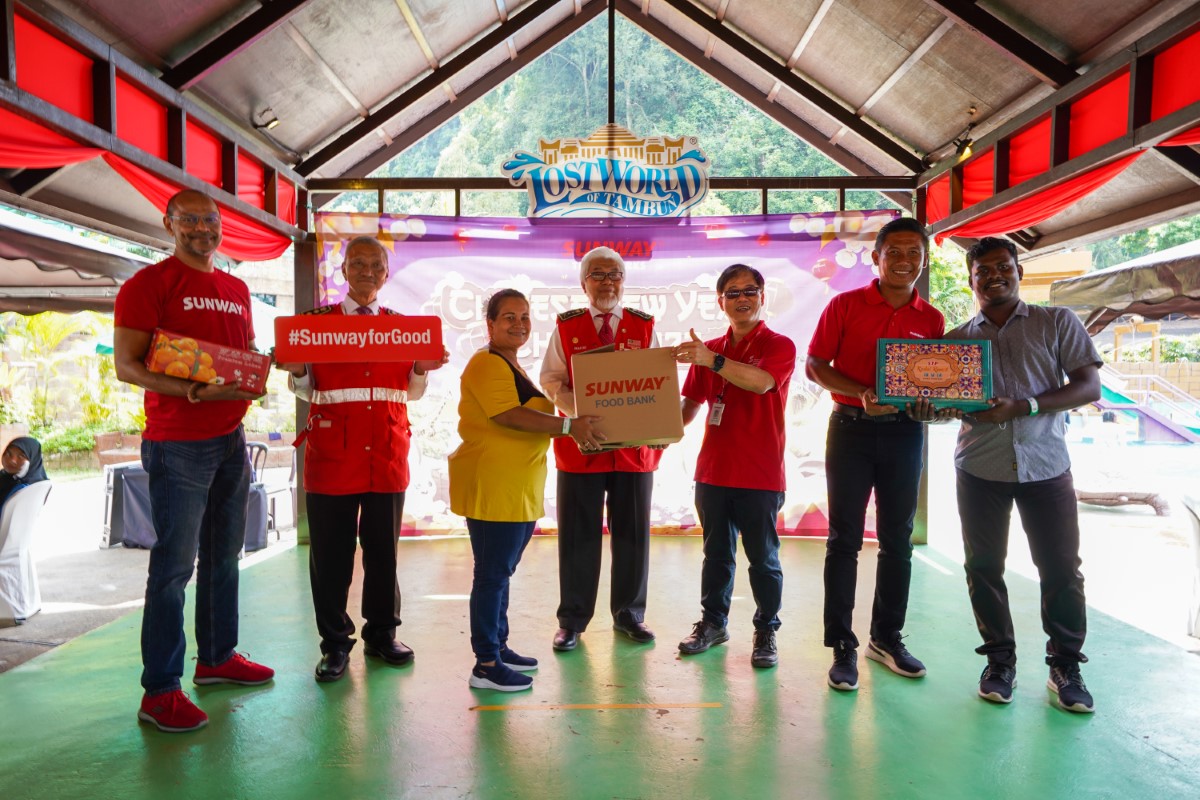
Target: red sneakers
[[236, 670], [172, 712]]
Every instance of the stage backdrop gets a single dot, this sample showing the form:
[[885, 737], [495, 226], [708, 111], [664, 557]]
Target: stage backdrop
[[448, 267]]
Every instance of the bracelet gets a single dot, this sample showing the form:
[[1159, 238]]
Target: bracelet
[[1033, 406], [566, 431], [193, 393]]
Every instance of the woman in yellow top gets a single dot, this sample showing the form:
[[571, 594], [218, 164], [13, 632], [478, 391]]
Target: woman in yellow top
[[498, 480]]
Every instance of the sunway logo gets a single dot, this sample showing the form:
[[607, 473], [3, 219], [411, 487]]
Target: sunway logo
[[622, 387], [614, 173], [358, 339], [213, 304]]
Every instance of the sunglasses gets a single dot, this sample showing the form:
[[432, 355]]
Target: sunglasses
[[734, 294]]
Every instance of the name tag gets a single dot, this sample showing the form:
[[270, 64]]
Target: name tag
[[718, 410]]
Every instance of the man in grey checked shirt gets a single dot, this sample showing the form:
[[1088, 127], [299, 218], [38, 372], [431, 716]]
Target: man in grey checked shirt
[[1016, 451]]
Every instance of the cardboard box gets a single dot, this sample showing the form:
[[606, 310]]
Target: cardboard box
[[206, 362], [636, 391], [949, 373]]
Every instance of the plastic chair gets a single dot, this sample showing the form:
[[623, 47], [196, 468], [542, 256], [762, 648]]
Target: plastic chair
[[256, 453], [278, 488], [20, 596]]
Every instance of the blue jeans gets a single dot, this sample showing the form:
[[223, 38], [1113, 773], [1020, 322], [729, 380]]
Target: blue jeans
[[862, 455], [497, 547], [724, 513], [198, 492]]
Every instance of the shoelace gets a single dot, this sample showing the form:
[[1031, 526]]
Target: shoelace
[[762, 639], [844, 655], [998, 672], [1069, 676]]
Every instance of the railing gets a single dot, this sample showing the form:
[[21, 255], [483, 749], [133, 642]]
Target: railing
[[1156, 392]]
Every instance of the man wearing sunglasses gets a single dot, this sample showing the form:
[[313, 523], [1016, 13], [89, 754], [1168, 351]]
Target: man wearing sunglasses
[[194, 451], [619, 481], [872, 447], [743, 377]]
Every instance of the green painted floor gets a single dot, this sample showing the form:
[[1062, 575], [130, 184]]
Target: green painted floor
[[705, 726]]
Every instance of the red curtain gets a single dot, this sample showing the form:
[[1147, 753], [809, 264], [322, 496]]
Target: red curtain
[[241, 238], [26, 145], [1190, 136], [1041, 206]]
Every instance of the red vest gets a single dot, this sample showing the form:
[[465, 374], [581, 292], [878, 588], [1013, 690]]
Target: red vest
[[577, 332], [358, 429]]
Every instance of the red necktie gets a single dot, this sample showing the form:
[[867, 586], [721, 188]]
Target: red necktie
[[363, 310], [606, 331]]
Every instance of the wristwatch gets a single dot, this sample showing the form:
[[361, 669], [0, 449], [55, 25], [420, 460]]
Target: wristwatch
[[718, 362]]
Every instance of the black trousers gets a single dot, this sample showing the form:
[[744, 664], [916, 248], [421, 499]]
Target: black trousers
[[861, 456], [582, 497], [1050, 517], [725, 514], [336, 523]]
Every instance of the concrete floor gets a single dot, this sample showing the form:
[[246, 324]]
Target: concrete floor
[[613, 719]]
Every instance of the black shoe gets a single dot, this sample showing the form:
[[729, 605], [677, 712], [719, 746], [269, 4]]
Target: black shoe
[[765, 654], [1067, 685], [395, 653], [565, 639], [843, 675], [637, 631], [332, 666], [895, 656], [703, 636], [997, 682]]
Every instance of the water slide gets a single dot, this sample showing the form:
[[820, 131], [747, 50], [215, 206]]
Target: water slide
[[1155, 426]]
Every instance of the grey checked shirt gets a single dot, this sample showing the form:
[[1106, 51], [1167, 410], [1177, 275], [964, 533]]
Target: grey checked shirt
[[1031, 355]]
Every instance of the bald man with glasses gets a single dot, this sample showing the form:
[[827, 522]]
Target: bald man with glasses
[[619, 481]]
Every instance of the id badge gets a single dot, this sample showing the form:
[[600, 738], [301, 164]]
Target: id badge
[[718, 410]]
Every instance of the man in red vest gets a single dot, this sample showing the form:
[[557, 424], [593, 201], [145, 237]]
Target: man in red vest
[[588, 483], [355, 475]]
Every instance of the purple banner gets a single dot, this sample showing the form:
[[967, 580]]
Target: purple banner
[[447, 267]]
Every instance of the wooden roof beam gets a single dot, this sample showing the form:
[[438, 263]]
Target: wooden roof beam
[[1045, 65], [747, 91], [270, 15], [766, 62], [429, 83]]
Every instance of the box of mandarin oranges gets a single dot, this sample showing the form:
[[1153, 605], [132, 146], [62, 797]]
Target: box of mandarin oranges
[[205, 362]]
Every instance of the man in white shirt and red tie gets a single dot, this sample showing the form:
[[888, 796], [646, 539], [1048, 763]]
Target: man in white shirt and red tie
[[355, 475], [589, 483]]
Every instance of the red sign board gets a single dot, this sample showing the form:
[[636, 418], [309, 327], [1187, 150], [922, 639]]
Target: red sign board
[[327, 338]]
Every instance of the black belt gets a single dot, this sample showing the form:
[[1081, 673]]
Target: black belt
[[854, 412]]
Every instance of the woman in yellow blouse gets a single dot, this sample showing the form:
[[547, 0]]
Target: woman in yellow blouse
[[498, 479]]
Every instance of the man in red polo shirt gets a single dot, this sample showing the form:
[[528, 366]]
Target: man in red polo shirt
[[743, 377], [872, 447], [194, 451]]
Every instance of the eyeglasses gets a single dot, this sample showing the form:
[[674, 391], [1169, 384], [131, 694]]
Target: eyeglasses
[[734, 294], [192, 220], [614, 276]]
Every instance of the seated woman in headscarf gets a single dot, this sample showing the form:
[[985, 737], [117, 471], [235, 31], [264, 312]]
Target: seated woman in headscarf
[[22, 464]]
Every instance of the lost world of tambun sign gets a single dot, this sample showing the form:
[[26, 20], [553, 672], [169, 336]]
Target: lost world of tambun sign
[[612, 173]]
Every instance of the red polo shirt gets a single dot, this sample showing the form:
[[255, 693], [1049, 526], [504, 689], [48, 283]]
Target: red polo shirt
[[853, 323], [213, 306], [746, 450]]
